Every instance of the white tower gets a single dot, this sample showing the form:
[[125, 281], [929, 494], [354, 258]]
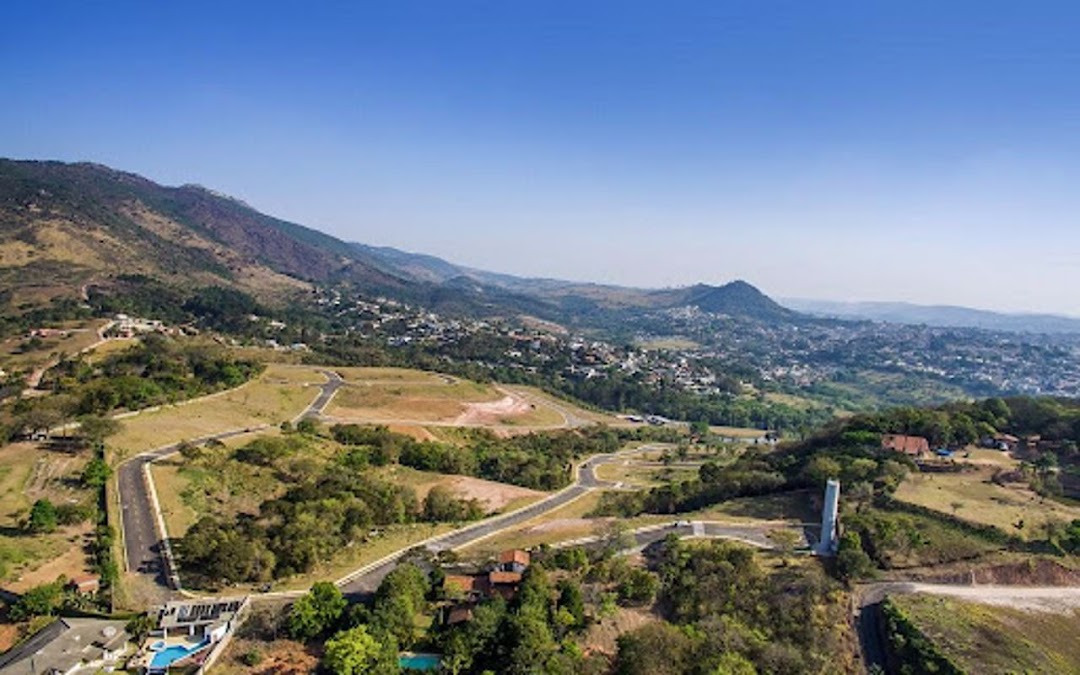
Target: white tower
[[828, 542]]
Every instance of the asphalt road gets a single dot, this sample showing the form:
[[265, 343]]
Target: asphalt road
[[369, 578], [144, 543]]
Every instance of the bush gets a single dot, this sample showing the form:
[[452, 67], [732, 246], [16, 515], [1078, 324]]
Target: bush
[[251, 658]]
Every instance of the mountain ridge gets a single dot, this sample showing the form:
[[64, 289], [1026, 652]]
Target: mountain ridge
[[944, 316], [74, 225]]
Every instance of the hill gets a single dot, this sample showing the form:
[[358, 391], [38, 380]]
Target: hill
[[69, 228], [945, 316], [76, 225]]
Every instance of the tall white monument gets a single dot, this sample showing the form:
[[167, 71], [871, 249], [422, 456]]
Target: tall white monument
[[828, 542]]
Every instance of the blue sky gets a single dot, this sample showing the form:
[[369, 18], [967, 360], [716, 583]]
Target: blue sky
[[920, 151]]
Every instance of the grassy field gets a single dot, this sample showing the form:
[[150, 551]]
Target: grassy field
[[29, 473], [563, 524], [634, 474], [789, 506], [972, 496], [418, 401], [107, 349], [991, 639], [82, 334], [279, 394]]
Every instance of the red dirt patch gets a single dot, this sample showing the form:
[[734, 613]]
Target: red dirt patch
[[493, 496], [71, 563]]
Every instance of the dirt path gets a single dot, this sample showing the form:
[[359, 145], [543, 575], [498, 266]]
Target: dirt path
[[1030, 598]]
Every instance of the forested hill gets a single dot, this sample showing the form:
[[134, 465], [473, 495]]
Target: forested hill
[[71, 228]]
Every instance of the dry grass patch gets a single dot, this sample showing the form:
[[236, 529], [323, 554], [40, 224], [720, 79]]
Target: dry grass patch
[[990, 639], [278, 395], [29, 473], [972, 496]]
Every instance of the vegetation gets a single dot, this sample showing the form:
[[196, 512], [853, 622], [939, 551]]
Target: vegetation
[[726, 611], [976, 638], [538, 460]]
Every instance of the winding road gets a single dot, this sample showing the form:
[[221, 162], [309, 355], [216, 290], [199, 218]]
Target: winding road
[[147, 552], [146, 548]]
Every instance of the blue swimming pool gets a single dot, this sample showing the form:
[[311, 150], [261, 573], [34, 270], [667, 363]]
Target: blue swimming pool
[[419, 661], [170, 655]]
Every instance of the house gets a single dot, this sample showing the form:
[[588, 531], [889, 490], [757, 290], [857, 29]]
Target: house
[[514, 561], [85, 585], [504, 580], [1005, 442], [70, 646], [912, 446]]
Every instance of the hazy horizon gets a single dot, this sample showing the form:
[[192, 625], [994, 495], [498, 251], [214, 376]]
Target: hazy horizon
[[843, 152]]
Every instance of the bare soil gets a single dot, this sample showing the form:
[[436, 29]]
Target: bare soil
[[602, 636], [71, 563], [493, 496]]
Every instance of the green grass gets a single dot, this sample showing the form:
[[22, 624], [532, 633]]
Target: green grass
[[990, 639]]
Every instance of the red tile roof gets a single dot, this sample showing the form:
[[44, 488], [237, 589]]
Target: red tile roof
[[504, 578], [909, 445], [515, 556]]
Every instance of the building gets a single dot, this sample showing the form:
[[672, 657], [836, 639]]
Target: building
[[190, 634], [85, 585], [70, 647], [514, 561], [912, 446]]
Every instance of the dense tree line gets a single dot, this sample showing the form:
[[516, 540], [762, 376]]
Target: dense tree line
[[538, 460]]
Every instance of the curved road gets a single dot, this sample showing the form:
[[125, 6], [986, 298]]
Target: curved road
[[146, 550]]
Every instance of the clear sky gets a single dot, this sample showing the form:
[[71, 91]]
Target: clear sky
[[912, 150]]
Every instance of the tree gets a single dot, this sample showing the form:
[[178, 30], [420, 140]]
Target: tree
[[43, 517], [140, 627], [357, 652], [638, 587], [95, 429], [40, 600], [655, 649], [96, 473], [316, 612], [734, 663], [852, 562], [785, 540]]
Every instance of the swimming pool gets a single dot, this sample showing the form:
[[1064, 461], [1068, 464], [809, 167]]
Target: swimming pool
[[170, 655], [419, 661]]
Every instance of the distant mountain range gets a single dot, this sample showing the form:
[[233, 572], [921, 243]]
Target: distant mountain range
[[65, 228], [936, 315]]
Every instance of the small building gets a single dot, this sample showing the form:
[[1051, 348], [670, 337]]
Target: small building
[[70, 647], [87, 584], [1003, 442], [201, 618], [912, 446], [515, 560]]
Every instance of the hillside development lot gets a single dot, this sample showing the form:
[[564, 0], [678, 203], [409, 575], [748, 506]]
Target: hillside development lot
[[279, 394], [29, 473], [973, 496], [982, 638]]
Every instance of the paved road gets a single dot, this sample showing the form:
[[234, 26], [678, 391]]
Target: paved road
[[367, 579], [145, 548]]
